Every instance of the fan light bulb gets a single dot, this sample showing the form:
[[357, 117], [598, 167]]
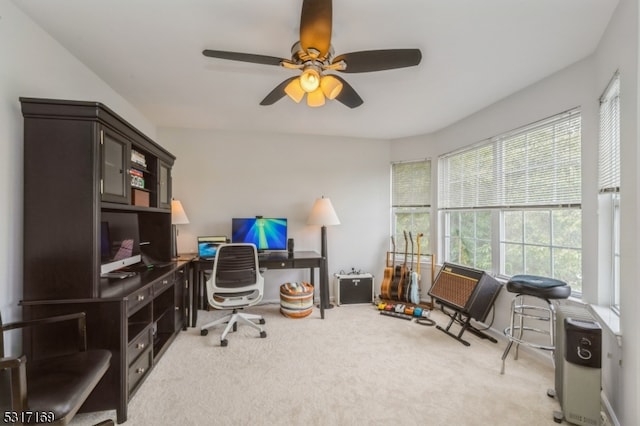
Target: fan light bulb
[[310, 80], [331, 86]]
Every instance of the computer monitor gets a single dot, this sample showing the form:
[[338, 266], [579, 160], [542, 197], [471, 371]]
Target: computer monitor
[[268, 234], [119, 241]]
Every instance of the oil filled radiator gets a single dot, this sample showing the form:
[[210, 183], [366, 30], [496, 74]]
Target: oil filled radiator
[[578, 359]]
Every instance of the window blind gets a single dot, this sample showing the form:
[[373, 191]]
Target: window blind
[[534, 166], [411, 184], [609, 162]]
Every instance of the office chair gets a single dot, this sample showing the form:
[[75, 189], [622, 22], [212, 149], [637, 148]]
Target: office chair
[[235, 283]]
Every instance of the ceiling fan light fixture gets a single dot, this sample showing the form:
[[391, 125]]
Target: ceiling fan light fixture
[[331, 86], [315, 98], [310, 79], [294, 90]]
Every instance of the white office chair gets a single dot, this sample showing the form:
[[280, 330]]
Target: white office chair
[[235, 283]]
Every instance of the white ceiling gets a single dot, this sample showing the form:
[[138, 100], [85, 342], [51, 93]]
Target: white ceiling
[[475, 52]]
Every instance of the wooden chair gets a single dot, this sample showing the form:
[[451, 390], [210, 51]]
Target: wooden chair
[[52, 390]]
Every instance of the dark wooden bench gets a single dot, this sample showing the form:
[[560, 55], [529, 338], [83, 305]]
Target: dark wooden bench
[[52, 390]]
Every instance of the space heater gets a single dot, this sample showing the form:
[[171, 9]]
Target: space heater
[[578, 359]]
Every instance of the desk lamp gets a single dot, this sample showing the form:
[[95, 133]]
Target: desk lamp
[[178, 217], [323, 214]]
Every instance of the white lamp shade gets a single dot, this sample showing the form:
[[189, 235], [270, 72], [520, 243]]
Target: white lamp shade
[[315, 98], [323, 213], [331, 86], [294, 90], [178, 216]]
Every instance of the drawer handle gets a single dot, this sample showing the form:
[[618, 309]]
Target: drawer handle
[[164, 282], [140, 370], [177, 308], [140, 297], [140, 346]]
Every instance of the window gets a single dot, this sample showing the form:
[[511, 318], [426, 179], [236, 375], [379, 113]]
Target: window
[[512, 204], [411, 201], [609, 186]]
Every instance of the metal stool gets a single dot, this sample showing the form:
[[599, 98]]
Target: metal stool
[[543, 288]]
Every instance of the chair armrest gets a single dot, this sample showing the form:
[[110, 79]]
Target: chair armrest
[[81, 317]]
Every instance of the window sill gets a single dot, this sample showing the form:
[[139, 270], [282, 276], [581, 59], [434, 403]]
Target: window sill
[[609, 319]]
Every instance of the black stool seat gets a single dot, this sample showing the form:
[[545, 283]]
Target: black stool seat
[[543, 287]]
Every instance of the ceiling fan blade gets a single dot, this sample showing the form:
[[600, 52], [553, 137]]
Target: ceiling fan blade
[[278, 93], [379, 60], [348, 95], [243, 57], [315, 25]]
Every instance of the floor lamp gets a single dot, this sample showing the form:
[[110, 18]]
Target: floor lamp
[[178, 217], [323, 214]]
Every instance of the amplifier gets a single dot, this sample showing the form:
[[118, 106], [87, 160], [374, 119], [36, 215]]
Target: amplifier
[[469, 291], [353, 288]]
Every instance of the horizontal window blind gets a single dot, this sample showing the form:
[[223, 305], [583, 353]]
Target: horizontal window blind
[[609, 164], [534, 166], [411, 184]]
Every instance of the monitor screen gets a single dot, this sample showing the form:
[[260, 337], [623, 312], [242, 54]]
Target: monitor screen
[[119, 241], [265, 233]]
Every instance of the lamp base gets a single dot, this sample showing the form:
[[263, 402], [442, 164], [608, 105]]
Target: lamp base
[[329, 306]]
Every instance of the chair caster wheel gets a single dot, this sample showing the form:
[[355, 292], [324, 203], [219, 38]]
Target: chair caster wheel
[[224, 342], [261, 321], [263, 334], [558, 416], [204, 332]]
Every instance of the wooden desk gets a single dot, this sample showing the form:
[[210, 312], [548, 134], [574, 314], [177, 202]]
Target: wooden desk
[[295, 260]]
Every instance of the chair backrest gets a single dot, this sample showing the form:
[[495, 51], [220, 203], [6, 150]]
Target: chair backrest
[[235, 280]]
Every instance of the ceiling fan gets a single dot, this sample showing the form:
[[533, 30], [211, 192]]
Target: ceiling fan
[[313, 55]]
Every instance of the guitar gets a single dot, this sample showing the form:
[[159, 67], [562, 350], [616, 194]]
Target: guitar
[[403, 283], [415, 277], [409, 287], [397, 276], [385, 288]]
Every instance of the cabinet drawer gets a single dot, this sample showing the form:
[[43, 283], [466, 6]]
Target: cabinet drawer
[[163, 283], [139, 369], [140, 344], [139, 299]]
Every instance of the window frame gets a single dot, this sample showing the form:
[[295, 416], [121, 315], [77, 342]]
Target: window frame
[[499, 204]]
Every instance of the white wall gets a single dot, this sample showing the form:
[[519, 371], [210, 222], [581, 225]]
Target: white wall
[[578, 85], [34, 65], [220, 175]]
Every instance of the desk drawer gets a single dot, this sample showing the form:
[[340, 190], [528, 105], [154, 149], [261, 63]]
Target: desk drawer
[[140, 344], [139, 299], [139, 369], [163, 283], [277, 264]]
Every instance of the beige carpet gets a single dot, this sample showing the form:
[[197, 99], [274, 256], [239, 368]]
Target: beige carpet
[[356, 367]]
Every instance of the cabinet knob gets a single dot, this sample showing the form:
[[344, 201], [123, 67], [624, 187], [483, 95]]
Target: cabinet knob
[[140, 370], [177, 308], [164, 282], [282, 264], [140, 346], [140, 297]]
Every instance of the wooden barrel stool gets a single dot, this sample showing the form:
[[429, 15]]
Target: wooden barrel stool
[[545, 289], [296, 299]]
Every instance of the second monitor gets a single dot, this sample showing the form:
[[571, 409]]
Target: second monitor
[[268, 234]]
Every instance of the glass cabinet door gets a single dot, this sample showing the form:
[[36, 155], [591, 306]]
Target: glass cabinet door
[[114, 160], [164, 186]]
